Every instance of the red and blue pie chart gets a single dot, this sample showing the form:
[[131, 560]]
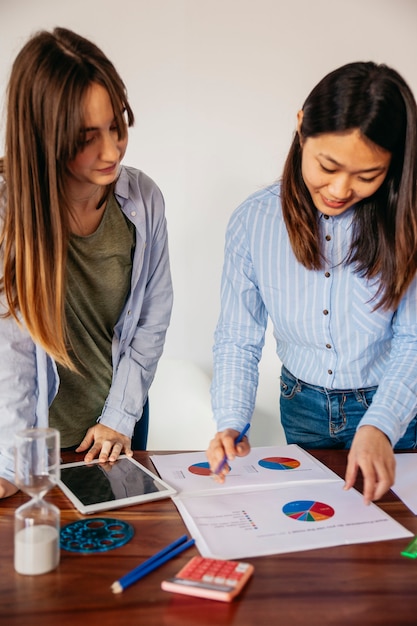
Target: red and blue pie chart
[[200, 469], [308, 510], [279, 463]]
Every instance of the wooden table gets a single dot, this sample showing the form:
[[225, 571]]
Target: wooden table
[[358, 584]]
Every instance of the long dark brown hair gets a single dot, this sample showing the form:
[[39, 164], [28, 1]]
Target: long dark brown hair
[[47, 87], [376, 100]]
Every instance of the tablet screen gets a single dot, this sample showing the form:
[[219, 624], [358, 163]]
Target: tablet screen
[[98, 486]]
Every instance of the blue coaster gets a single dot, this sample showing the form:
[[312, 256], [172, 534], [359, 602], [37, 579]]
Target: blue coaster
[[96, 534]]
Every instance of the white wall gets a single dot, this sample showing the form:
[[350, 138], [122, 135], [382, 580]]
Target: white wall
[[215, 85]]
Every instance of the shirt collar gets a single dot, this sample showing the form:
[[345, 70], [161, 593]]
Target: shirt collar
[[344, 220], [122, 184]]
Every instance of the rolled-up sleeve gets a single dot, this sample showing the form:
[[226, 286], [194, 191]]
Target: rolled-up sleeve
[[140, 333]]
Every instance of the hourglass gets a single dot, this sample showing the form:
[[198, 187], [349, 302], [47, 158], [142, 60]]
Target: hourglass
[[37, 523]]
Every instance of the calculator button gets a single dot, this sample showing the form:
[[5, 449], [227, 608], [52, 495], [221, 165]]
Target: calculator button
[[207, 578], [219, 580], [242, 567], [231, 582]]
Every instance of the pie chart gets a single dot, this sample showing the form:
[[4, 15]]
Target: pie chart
[[201, 469], [279, 463], [308, 510]]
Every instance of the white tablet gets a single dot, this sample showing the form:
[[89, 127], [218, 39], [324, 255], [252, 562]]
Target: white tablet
[[96, 486]]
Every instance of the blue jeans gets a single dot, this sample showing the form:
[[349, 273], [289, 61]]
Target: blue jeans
[[316, 417]]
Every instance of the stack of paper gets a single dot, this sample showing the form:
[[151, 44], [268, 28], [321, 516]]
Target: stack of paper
[[277, 499]]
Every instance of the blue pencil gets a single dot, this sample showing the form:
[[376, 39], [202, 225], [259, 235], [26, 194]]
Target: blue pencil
[[155, 561], [237, 440]]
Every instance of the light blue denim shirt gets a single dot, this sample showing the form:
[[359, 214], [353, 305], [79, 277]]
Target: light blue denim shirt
[[326, 329], [28, 376]]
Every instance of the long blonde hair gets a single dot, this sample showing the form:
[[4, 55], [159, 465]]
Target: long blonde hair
[[46, 90]]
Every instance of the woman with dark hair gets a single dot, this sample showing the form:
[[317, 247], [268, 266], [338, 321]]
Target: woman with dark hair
[[85, 291], [330, 255]]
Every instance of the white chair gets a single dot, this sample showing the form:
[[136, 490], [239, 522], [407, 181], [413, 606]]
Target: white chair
[[180, 416]]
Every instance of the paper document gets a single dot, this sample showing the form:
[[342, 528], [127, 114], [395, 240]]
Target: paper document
[[262, 467], [405, 486], [277, 499]]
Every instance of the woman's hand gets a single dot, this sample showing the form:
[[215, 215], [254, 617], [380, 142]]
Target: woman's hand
[[7, 488], [223, 445], [106, 444], [372, 452]]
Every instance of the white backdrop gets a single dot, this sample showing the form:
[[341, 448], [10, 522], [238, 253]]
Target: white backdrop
[[215, 86]]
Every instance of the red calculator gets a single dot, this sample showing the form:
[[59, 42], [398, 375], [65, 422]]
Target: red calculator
[[210, 578]]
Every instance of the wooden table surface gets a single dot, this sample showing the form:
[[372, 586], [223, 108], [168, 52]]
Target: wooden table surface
[[356, 584]]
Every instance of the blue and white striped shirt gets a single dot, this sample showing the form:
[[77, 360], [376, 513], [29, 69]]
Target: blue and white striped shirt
[[326, 330]]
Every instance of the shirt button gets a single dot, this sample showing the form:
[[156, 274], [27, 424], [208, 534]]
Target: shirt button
[[329, 372], [326, 217], [328, 237], [133, 213], [325, 312], [327, 274], [328, 346]]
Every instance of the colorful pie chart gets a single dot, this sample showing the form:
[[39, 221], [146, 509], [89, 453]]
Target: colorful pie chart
[[279, 463], [201, 469], [308, 510]]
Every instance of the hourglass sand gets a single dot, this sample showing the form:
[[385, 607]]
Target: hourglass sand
[[37, 523]]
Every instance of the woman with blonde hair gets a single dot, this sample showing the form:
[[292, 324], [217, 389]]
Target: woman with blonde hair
[[86, 291]]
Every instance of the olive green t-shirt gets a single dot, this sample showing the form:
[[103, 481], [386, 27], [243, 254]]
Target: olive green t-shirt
[[99, 272]]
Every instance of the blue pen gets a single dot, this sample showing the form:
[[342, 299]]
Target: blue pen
[[152, 563], [237, 440]]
